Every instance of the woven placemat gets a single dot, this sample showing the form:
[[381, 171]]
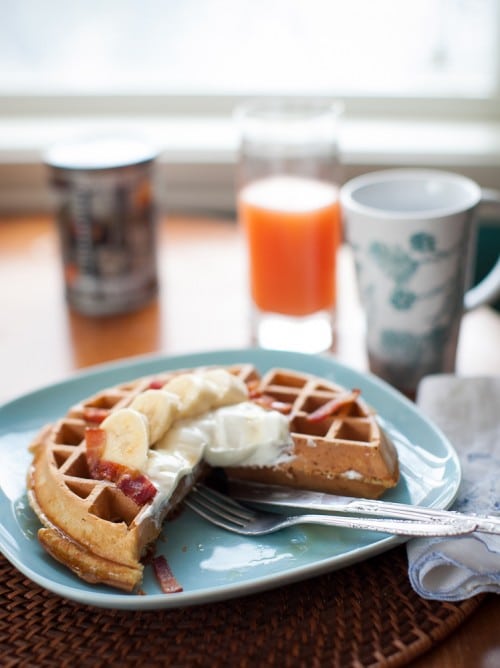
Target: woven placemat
[[364, 615]]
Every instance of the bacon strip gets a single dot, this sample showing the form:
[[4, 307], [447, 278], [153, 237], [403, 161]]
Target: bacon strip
[[165, 577], [266, 401], [156, 384], [137, 487], [333, 406], [253, 389], [132, 483], [94, 414], [95, 440]]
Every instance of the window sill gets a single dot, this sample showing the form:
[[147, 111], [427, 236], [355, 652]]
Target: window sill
[[197, 155]]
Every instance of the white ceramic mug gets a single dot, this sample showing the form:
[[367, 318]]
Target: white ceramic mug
[[411, 231]]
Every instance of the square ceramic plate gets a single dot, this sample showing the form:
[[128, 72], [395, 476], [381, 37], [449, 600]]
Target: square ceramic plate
[[210, 563]]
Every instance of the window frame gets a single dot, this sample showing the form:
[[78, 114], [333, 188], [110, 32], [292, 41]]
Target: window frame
[[200, 105]]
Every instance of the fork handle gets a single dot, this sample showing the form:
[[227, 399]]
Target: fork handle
[[285, 497], [391, 526], [484, 523]]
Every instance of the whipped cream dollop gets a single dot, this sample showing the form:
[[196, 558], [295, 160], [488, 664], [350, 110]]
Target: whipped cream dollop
[[242, 434]]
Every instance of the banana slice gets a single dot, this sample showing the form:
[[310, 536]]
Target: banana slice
[[196, 394], [230, 388], [161, 409], [127, 438]]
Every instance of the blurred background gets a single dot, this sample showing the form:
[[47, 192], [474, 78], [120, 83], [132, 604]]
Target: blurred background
[[420, 81]]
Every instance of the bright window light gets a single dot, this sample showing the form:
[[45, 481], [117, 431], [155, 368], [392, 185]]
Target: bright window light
[[240, 47]]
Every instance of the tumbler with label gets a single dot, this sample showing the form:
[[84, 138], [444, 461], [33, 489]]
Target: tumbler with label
[[289, 211], [107, 223]]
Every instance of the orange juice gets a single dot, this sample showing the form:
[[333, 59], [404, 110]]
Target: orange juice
[[292, 226]]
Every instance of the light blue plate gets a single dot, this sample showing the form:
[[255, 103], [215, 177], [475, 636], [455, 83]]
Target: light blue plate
[[210, 563]]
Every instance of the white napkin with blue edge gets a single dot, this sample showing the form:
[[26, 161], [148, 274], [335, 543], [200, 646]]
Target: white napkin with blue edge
[[467, 410]]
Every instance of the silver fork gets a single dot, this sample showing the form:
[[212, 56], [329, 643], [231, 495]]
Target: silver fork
[[227, 513]]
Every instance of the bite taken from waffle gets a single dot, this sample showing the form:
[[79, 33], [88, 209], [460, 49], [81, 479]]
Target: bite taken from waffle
[[106, 476]]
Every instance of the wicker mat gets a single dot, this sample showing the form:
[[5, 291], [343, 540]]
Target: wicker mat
[[364, 615]]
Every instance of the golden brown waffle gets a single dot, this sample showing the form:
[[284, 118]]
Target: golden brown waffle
[[90, 525], [344, 453], [103, 535]]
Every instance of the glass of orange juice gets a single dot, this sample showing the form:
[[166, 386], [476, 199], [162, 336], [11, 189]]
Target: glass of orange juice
[[287, 197]]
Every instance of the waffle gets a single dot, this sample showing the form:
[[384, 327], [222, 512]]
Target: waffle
[[344, 453], [104, 536]]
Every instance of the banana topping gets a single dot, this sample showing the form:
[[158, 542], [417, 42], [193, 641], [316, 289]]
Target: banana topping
[[229, 388], [161, 408], [130, 432], [127, 438], [196, 394]]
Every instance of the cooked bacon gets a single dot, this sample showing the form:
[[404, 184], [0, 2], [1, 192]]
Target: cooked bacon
[[95, 440], [132, 483], [156, 384], [106, 470], [266, 401], [165, 577], [137, 487], [253, 389], [333, 406], [94, 414]]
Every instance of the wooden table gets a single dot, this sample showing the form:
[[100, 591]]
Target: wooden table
[[203, 305]]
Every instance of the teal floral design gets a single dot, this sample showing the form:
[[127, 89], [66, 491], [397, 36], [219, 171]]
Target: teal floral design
[[403, 300], [408, 356], [400, 345], [407, 352], [401, 265], [423, 242], [394, 262]]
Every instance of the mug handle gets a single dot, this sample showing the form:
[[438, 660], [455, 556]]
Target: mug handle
[[488, 290]]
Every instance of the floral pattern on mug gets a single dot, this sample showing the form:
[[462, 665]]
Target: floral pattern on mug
[[404, 266], [394, 261], [410, 231], [403, 299], [423, 242]]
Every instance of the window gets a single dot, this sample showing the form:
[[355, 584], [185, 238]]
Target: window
[[203, 48], [420, 80]]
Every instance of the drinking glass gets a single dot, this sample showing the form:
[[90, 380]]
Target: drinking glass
[[287, 197]]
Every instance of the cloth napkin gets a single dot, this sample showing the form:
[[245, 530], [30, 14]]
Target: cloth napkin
[[468, 412]]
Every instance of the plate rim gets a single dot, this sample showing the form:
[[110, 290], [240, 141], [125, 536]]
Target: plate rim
[[226, 591]]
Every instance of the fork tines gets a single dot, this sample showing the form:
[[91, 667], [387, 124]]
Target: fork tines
[[217, 507]]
